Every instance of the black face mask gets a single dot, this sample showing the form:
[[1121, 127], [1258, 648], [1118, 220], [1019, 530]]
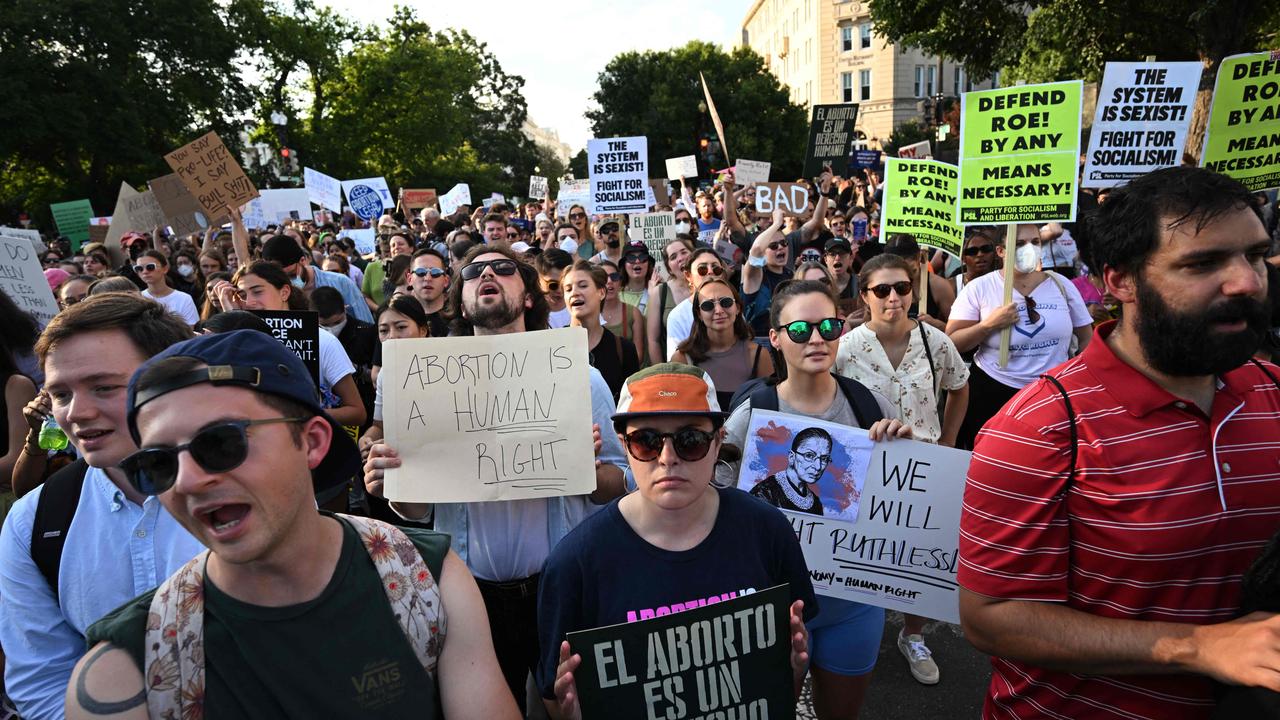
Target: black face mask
[[612, 241], [1186, 344]]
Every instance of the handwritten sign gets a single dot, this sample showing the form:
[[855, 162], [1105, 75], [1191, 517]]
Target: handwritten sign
[[417, 199], [730, 659], [791, 198], [275, 207], [322, 189], [368, 197], [300, 332], [682, 167], [31, 236], [457, 196], [366, 239], [1141, 121], [538, 187], [830, 138], [72, 219], [918, 150], [489, 418], [751, 172], [181, 210], [920, 200], [619, 171], [655, 230], [1243, 136], [22, 278], [572, 192], [135, 212], [210, 172]]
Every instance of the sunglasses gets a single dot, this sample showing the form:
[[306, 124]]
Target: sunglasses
[[614, 277], [690, 444], [710, 305], [503, 267], [148, 267], [801, 330], [704, 270], [577, 216], [882, 291], [979, 250], [433, 272], [635, 259], [217, 449], [777, 245], [1033, 317]]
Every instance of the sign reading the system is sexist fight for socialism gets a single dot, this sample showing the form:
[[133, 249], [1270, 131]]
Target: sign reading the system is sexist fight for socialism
[[619, 171], [920, 199], [1141, 121], [1019, 150], [489, 417], [1243, 137], [730, 659]]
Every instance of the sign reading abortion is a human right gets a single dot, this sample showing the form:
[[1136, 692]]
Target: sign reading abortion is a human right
[[619, 171]]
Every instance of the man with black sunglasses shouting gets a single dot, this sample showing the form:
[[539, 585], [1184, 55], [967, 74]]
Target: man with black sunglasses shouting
[[234, 444]]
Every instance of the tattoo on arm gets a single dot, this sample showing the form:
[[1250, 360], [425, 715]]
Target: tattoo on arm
[[99, 707]]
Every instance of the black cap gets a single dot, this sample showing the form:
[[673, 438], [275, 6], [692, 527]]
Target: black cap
[[282, 250], [837, 245]]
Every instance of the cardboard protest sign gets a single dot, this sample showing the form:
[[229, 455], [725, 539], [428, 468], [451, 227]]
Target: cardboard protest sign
[[274, 207], [538, 187], [728, 659], [889, 536], [22, 278], [1019, 152], [793, 198], [300, 332], [72, 219], [135, 212], [830, 138], [368, 197], [322, 189], [98, 233], [457, 196], [489, 417], [1140, 123], [211, 174], [682, 167], [751, 172], [655, 230], [181, 210], [1243, 137], [660, 194], [619, 171], [366, 239], [921, 149], [920, 200], [31, 236], [572, 192]]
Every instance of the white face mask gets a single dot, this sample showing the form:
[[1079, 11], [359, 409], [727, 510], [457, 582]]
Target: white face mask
[[186, 270], [1026, 258], [683, 227], [335, 329]]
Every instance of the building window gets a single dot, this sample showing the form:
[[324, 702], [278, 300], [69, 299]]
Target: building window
[[864, 84], [932, 84], [846, 38], [918, 86], [995, 79], [864, 34], [846, 87]]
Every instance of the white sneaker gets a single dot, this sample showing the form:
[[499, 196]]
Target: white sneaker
[[923, 668]]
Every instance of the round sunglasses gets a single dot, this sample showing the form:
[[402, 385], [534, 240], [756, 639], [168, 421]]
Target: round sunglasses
[[218, 448], [703, 270], [801, 330], [690, 444], [710, 305], [433, 272]]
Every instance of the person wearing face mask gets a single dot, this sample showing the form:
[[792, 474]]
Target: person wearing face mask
[[186, 275], [284, 251], [684, 221], [1046, 313]]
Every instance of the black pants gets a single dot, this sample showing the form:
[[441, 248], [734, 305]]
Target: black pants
[[986, 396], [513, 622]]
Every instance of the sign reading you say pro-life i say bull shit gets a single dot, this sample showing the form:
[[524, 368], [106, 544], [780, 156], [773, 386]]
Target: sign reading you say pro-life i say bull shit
[[504, 417], [619, 170]]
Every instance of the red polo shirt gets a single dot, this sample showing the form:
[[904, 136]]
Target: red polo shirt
[[1167, 510]]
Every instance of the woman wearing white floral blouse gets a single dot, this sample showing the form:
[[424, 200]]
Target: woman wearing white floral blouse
[[887, 355]]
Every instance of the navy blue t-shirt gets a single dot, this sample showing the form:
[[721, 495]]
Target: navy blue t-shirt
[[603, 573]]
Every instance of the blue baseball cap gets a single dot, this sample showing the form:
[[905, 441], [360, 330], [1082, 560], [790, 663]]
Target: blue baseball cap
[[257, 361]]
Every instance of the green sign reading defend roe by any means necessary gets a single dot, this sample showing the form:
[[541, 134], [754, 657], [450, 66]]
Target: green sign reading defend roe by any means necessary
[[1243, 137], [1019, 150]]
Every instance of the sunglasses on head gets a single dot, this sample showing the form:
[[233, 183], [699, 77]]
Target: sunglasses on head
[[148, 267], [903, 289], [690, 444], [218, 448], [801, 330], [979, 250], [433, 272], [710, 305], [502, 267], [704, 270]]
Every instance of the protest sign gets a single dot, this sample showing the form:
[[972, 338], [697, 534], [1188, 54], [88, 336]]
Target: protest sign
[[98, 233], [22, 278], [920, 200], [1243, 137], [619, 172], [793, 198], [31, 236], [899, 545], [418, 199], [366, 239], [299, 330], [726, 659], [655, 230], [682, 167], [660, 194], [538, 187], [72, 219], [1019, 153], [503, 417], [275, 207], [181, 210], [921, 150], [866, 159], [322, 189], [211, 174], [135, 212], [368, 197], [1140, 123], [830, 138], [572, 192], [715, 117], [750, 172], [457, 196]]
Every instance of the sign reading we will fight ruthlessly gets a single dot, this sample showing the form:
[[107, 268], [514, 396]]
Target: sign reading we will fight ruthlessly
[[619, 171], [1243, 137], [211, 173], [504, 417], [1019, 150], [920, 199], [1141, 121], [730, 659]]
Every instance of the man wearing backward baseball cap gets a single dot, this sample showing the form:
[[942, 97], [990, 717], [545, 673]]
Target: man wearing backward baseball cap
[[234, 442]]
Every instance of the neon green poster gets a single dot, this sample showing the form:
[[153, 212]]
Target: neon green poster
[[72, 219], [1243, 137], [1019, 154], [920, 200]]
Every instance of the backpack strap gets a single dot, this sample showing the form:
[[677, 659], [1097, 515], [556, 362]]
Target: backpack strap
[[928, 354], [1071, 421], [865, 408], [175, 661], [55, 509], [617, 347], [755, 360]]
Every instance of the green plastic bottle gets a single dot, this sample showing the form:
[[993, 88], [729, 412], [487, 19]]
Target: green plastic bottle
[[51, 436]]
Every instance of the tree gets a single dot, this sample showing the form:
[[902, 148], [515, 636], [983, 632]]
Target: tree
[[657, 94], [1043, 40]]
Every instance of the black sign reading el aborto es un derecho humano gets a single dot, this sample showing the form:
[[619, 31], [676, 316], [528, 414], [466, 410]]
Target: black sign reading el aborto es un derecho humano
[[830, 139], [299, 330], [730, 659]]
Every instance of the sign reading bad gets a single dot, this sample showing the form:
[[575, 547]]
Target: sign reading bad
[[920, 200], [830, 139], [619, 172], [1141, 121], [489, 418], [1243, 137], [730, 659], [209, 170], [791, 198], [1019, 150]]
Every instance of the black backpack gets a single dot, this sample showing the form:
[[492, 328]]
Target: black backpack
[[763, 393], [55, 509]]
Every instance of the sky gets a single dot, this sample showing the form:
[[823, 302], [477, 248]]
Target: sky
[[560, 47]]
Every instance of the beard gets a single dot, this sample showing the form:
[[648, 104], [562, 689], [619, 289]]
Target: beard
[[497, 315], [1187, 344]]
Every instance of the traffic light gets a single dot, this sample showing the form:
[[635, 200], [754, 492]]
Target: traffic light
[[289, 159]]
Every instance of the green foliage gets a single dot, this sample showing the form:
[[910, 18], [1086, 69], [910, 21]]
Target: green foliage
[[656, 94], [907, 132]]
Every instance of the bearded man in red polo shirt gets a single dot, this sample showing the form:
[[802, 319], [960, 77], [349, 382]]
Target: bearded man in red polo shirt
[[1111, 511]]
